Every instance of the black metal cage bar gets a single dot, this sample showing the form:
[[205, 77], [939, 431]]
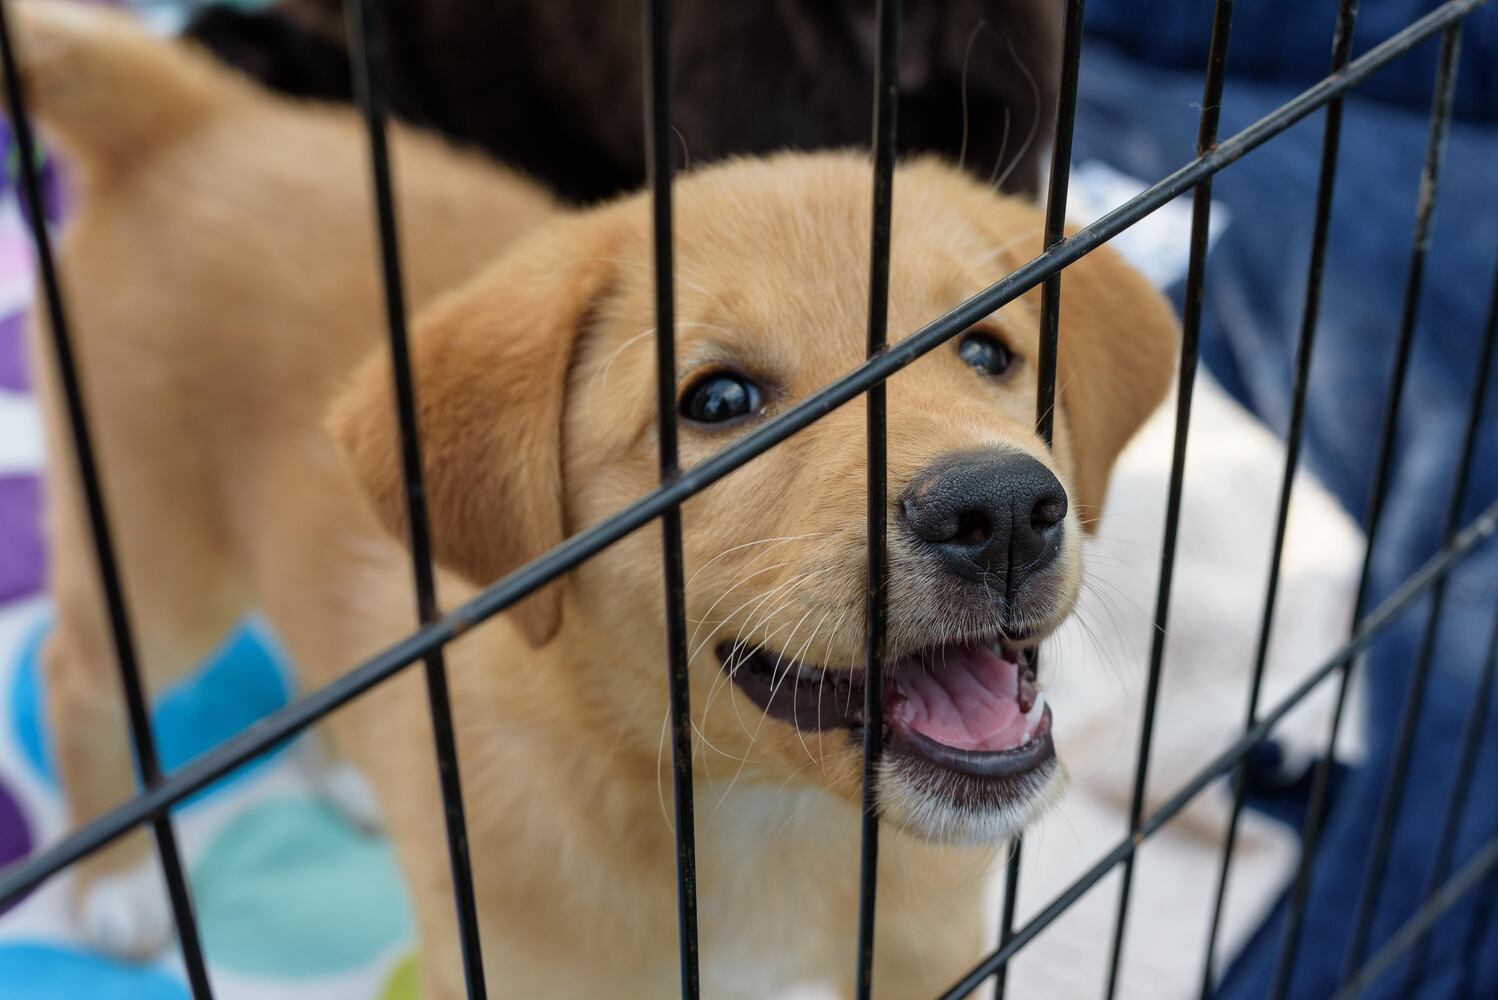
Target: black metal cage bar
[[1321, 784], [426, 643], [1058, 184], [1482, 528], [1414, 699], [886, 87], [1472, 730], [1419, 926], [1057, 187], [287, 722], [1477, 715], [1294, 437], [112, 590], [1201, 219], [366, 32], [1477, 929], [659, 161], [1299, 895], [1006, 915]]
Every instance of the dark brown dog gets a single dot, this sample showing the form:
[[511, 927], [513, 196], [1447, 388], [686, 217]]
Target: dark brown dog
[[553, 86]]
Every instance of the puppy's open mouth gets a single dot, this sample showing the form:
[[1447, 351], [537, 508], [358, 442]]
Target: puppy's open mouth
[[971, 709]]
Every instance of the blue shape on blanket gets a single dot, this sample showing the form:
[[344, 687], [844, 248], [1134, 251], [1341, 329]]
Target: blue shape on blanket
[[291, 890], [46, 972], [243, 681]]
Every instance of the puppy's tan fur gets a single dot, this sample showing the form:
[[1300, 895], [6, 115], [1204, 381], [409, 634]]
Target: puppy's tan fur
[[224, 285]]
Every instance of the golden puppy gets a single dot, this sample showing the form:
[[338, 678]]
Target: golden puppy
[[224, 284]]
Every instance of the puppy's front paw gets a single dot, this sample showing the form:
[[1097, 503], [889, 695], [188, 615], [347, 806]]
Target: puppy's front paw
[[127, 913]]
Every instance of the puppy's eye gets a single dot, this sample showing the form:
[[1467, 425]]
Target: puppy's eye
[[720, 397], [986, 353]]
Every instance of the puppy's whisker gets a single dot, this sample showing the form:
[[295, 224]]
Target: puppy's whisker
[[1095, 585], [639, 265], [740, 640], [1107, 652], [737, 656], [967, 56], [774, 689], [750, 624], [791, 666], [1034, 114], [660, 754], [774, 542], [1002, 248], [785, 590], [707, 615], [993, 177], [735, 660], [1051, 409], [702, 739], [744, 760], [602, 374], [697, 325], [785, 600], [800, 654], [842, 621]]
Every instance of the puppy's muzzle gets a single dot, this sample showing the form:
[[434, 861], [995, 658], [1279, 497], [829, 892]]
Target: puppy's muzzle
[[990, 517]]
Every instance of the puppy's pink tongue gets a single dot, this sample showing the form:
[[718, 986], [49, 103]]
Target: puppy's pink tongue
[[965, 697]]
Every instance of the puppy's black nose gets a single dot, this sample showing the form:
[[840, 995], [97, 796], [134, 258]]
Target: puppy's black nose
[[989, 516]]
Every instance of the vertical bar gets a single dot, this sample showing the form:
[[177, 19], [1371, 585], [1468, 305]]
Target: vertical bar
[[1057, 185], [366, 32], [1006, 919], [1294, 435], [1477, 931], [1315, 812], [886, 95], [1477, 716], [1201, 210], [659, 166], [1055, 218], [1414, 700], [137, 709], [1456, 805], [1424, 920]]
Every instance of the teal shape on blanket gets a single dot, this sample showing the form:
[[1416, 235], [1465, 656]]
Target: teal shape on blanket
[[292, 890], [243, 681], [46, 972]]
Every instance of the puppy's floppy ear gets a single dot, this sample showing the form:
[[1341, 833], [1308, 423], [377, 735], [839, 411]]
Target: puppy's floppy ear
[[1119, 340], [490, 362]]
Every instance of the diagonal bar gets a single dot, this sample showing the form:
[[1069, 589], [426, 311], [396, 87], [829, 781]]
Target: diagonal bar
[[1482, 528], [1483, 864]]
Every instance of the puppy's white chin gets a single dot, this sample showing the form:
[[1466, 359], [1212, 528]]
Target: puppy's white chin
[[944, 818]]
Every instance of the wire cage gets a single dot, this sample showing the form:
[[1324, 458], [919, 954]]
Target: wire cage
[[1461, 536]]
